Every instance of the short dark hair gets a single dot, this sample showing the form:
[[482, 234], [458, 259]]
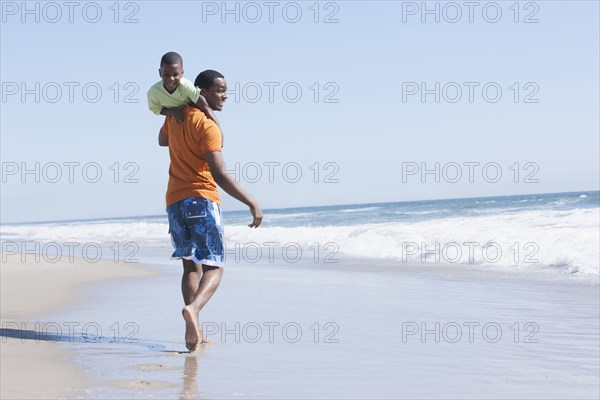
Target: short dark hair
[[171, 58], [206, 79]]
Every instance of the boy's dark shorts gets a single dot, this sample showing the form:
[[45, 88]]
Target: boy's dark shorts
[[197, 231]]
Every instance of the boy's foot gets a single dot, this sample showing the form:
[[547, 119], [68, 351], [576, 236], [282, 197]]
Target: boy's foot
[[192, 332]]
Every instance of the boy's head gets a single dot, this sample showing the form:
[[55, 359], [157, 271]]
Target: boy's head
[[213, 87], [171, 70]]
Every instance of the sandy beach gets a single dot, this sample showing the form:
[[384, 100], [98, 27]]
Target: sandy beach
[[305, 331], [34, 363]]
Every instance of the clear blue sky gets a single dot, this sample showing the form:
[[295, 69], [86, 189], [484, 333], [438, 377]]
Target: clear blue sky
[[360, 127]]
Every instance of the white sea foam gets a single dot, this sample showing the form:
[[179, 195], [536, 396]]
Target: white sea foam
[[141, 232], [431, 212], [288, 216], [362, 209], [566, 240], [545, 239]]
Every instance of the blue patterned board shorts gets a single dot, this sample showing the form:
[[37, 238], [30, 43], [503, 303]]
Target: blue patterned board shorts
[[196, 229]]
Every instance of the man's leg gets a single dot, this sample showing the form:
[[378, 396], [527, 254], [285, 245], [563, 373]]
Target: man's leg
[[190, 281], [208, 279]]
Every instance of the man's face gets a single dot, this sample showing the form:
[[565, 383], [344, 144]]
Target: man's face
[[216, 94], [171, 75]]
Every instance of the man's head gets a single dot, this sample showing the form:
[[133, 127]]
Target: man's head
[[213, 87], [171, 70]]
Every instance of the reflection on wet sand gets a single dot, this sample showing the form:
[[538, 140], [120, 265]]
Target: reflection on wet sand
[[190, 390]]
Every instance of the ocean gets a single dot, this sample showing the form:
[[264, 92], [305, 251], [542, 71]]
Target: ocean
[[548, 233]]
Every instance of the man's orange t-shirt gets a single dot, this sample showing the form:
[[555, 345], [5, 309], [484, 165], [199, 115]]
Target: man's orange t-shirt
[[189, 174]]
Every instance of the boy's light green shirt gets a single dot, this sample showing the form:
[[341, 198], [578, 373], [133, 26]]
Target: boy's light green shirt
[[158, 97]]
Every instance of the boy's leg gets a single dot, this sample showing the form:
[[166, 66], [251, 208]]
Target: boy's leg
[[210, 278]]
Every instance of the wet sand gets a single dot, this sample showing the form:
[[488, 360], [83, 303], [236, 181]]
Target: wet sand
[[338, 331], [33, 364]]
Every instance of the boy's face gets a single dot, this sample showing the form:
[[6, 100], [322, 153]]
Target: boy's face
[[216, 94], [171, 75]]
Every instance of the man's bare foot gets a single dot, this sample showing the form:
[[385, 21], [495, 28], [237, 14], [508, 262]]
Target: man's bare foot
[[205, 341], [192, 332]]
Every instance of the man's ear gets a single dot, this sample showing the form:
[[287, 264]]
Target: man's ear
[[159, 73]]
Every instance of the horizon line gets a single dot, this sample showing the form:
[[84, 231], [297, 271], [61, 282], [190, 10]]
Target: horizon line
[[286, 208]]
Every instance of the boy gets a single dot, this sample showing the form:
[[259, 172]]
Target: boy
[[173, 92]]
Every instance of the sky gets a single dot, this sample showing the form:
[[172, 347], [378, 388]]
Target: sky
[[333, 102]]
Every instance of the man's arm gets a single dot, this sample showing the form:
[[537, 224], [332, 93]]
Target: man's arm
[[230, 186], [163, 140]]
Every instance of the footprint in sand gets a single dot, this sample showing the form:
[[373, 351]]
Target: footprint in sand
[[155, 367], [141, 384]]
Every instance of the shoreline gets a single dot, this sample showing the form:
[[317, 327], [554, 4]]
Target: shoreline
[[34, 364], [484, 272]]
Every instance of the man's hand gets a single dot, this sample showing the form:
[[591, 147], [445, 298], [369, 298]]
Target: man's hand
[[230, 186], [257, 214]]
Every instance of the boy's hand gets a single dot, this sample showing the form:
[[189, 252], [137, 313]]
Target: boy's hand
[[178, 113]]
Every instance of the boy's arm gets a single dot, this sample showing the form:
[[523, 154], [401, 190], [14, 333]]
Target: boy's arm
[[153, 102], [176, 112], [193, 92], [229, 185], [157, 108], [203, 105]]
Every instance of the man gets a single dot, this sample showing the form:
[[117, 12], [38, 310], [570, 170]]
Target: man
[[193, 203]]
